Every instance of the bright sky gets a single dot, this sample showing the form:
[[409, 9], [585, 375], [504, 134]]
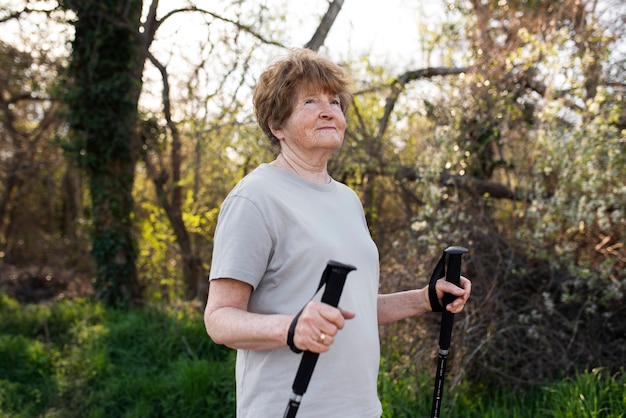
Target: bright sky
[[387, 30]]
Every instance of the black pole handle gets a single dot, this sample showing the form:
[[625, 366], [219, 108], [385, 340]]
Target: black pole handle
[[453, 275], [334, 276]]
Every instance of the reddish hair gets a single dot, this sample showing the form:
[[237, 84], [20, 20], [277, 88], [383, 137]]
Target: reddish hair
[[278, 85]]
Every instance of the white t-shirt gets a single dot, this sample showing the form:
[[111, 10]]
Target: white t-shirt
[[277, 232]]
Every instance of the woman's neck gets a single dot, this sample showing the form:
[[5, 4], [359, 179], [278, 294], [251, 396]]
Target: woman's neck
[[309, 172]]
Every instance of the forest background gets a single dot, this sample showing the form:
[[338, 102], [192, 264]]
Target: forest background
[[502, 128]]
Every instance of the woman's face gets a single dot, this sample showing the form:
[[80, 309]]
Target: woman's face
[[315, 124]]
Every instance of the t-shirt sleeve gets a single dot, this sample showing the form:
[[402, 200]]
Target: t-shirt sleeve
[[242, 243]]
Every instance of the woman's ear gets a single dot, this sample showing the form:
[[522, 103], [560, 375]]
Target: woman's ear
[[277, 132]]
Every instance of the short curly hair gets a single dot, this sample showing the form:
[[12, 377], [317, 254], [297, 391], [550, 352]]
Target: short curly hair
[[278, 85]]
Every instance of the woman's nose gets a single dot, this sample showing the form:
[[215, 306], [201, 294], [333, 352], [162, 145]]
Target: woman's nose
[[326, 111]]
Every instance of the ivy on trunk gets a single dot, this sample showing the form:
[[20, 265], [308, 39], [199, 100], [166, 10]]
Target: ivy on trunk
[[102, 102]]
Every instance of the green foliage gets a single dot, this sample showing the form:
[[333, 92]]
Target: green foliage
[[204, 183], [535, 117], [583, 217], [93, 361], [405, 394], [32, 206], [79, 359], [592, 395], [158, 263]]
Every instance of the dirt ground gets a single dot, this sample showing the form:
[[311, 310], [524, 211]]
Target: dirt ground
[[38, 284]]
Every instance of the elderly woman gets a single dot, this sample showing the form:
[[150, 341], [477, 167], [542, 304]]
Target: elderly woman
[[276, 231]]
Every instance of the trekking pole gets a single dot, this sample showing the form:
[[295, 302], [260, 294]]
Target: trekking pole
[[453, 275], [334, 277]]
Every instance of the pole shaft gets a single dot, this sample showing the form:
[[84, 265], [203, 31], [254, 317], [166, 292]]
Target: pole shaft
[[453, 275], [439, 380]]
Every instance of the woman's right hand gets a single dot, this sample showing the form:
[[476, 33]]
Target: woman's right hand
[[317, 326]]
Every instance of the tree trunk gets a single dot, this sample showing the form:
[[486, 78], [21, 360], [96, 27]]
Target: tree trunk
[[103, 112]]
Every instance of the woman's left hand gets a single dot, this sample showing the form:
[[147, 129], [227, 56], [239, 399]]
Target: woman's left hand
[[462, 293]]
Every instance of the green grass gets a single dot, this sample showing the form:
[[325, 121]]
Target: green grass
[[75, 358], [78, 359], [595, 394]]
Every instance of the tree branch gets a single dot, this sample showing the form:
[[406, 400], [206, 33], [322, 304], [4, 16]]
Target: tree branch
[[467, 183], [398, 85], [319, 37], [246, 28]]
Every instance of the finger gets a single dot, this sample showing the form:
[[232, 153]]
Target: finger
[[467, 286], [334, 316], [462, 293], [467, 290], [319, 342], [444, 286], [346, 313], [457, 305], [324, 341]]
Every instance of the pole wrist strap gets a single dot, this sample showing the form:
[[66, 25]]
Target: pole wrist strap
[[438, 273], [291, 332]]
